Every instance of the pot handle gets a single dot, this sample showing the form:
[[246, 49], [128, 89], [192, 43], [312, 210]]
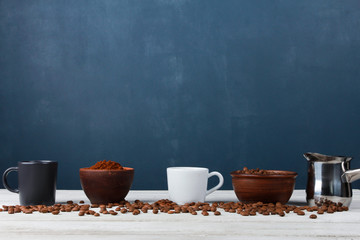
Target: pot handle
[[350, 176]]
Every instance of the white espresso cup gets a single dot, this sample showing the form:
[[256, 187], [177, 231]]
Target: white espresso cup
[[189, 184]]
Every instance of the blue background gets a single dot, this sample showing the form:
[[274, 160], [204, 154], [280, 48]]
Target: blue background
[[152, 84]]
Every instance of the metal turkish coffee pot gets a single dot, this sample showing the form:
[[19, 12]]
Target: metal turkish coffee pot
[[329, 178]]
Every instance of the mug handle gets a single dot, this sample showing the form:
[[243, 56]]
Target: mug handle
[[221, 182], [5, 182]]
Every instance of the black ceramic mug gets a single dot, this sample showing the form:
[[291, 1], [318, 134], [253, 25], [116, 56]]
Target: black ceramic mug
[[37, 182]]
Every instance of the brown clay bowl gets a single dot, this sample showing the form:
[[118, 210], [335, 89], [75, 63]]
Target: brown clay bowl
[[270, 188], [106, 186]]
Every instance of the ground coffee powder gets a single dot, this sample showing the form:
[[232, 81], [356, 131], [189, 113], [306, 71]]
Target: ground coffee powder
[[107, 165]]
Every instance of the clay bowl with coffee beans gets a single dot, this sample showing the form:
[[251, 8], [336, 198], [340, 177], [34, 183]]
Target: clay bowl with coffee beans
[[104, 186], [267, 186]]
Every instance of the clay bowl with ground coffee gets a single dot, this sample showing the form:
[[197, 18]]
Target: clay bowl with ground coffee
[[267, 186], [107, 183]]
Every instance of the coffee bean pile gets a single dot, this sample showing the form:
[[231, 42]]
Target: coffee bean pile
[[257, 171], [169, 207]]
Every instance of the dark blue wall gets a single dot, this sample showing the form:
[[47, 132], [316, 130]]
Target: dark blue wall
[[152, 84]]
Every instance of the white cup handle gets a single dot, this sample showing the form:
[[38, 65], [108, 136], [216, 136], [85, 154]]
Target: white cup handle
[[221, 182]]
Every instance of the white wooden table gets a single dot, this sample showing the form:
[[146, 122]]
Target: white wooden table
[[344, 225]]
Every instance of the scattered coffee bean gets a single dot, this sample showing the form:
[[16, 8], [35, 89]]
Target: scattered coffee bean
[[97, 214], [205, 213], [123, 210], [320, 211], [81, 201], [44, 210], [330, 210], [313, 216], [167, 206], [301, 213], [252, 213], [217, 213]]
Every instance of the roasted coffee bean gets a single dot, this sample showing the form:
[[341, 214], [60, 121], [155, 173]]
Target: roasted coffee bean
[[313, 216], [96, 214], [300, 213], [155, 211], [123, 210], [86, 206], [320, 211], [330, 210], [113, 213], [44, 210], [205, 213], [193, 213], [217, 213], [81, 213], [256, 171], [81, 201], [55, 212], [245, 213], [136, 212]]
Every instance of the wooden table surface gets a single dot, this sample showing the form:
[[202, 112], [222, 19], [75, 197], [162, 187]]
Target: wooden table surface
[[341, 225]]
